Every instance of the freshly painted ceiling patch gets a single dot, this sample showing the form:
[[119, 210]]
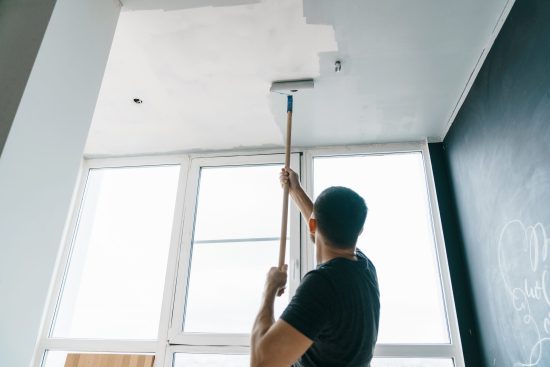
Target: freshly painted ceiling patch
[[205, 73], [204, 68]]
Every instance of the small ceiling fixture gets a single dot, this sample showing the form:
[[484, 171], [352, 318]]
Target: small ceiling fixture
[[337, 66], [138, 101]]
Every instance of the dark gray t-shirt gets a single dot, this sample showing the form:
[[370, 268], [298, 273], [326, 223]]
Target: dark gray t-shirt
[[337, 306]]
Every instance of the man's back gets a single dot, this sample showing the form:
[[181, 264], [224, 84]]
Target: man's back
[[338, 307]]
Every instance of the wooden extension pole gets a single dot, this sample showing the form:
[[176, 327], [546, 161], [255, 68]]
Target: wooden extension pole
[[284, 225]]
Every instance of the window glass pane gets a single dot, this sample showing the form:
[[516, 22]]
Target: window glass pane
[[236, 206], [226, 285], [239, 202], [211, 360], [115, 280], [412, 362], [54, 359], [398, 238]]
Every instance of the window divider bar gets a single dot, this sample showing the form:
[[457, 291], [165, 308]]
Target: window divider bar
[[211, 339], [441, 253], [233, 240], [100, 345], [172, 265], [216, 343], [415, 351]]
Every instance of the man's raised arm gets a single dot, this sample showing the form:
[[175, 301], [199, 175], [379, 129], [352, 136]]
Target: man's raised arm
[[275, 343]]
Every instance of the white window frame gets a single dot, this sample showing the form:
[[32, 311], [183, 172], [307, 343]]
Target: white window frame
[[176, 333], [171, 338], [48, 343], [454, 348]]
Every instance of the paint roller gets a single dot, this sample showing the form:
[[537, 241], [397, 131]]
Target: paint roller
[[288, 88]]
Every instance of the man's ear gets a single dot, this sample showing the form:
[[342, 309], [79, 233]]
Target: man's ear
[[312, 224]]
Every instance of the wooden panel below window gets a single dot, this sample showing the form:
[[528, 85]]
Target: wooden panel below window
[[109, 360]]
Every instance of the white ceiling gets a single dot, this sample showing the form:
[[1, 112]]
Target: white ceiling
[[203, 69]]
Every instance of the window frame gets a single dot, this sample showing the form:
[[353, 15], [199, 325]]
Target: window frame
[[176, 334], [172, 339], [46, 342], [453, 349]]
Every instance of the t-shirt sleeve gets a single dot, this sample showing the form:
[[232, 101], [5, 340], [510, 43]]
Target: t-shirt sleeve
[[310, 308]]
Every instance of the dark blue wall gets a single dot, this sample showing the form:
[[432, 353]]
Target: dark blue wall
[[498, 158]]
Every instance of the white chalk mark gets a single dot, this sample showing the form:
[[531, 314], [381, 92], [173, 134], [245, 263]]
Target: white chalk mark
[[534, 243]]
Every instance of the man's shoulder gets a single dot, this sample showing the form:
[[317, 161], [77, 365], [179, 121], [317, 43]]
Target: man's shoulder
[[321, 274], [361, 256]]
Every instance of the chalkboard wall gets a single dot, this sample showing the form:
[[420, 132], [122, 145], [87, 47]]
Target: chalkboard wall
[[498, 154]]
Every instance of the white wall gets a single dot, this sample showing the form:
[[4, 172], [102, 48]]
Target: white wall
[[40, 162]]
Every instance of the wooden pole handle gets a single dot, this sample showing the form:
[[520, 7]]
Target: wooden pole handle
[[284, 225]]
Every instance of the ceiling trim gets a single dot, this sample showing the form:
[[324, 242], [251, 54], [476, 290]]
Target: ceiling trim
[[473, 75]]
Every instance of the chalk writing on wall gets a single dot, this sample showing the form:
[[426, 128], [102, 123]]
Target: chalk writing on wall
[[523, 266]]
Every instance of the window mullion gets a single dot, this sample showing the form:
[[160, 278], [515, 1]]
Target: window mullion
[[185, 243], [172, 265], [211, 339], [452, 318], [98, 345], [235, 240]]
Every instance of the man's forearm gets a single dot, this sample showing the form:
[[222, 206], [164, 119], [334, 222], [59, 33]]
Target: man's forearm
[[263, 322], [303, 201]]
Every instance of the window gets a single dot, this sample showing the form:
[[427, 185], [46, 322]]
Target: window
[[400, 238], [114, 283], [233, 221], [168, 255], [109, 294], [237, 220]]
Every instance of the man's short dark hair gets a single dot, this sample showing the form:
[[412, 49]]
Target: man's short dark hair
[[340, 214]]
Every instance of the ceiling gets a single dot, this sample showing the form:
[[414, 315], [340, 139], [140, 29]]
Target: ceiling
[[203, 69]]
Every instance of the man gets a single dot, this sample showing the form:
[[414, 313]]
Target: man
[[333, 318]]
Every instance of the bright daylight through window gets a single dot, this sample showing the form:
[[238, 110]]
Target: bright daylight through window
[[115, 279], [236, 240], [170, 258], [398, 238]]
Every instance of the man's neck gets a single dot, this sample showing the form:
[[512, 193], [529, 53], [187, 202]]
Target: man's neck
[[326, 253]]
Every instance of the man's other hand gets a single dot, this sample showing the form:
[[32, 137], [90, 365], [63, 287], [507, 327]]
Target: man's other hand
[[276, 280], [289, 176]]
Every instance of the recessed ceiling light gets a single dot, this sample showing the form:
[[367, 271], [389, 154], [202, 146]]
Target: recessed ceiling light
[[138, 101]]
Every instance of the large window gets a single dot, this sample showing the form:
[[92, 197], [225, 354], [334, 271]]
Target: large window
[[168, 255], [233, 225], [401, 238], [109, 293], [398, 237], [114, 283], [235, 240]]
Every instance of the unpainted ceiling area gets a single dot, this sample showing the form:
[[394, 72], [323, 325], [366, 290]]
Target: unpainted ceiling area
[[203, 70]]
